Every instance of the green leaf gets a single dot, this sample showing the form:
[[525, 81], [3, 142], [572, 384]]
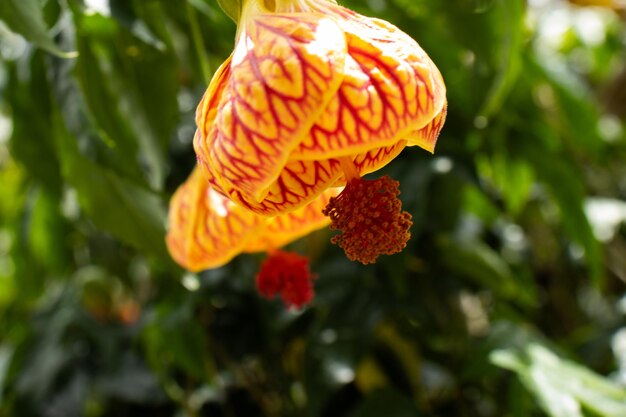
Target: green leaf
[[131, 92], [25, 17], [509, 52], [176, 340], [563, 388], [128, 211], [30, 143], [6, 352], [574, 103], [232, 8], [203, 7], [511, 176], [386, 402], [566, 188], [482, 6], [144, 20], [30, 138], [481, 264], [47, 232], [131, 213]]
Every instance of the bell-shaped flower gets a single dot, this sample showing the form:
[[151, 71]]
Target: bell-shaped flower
[[313, 96], [206, 230]]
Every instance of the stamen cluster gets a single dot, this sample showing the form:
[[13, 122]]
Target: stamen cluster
[[369, 215], [287, 274]]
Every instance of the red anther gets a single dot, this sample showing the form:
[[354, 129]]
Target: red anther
[[287, 274], [369, 215]]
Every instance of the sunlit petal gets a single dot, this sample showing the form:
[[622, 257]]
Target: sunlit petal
[[426, 137], [299, 183], [391, 88], [207, 230], [284, 71], [286, 228]]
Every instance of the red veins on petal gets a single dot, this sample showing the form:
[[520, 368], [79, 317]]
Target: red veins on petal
[[299, 183], [207, 108], [207, 230], [302, 90], [377, 158], [396, 43], [284, 70], [206, 112], [390, 89], [426, 137], [302, 181], [286, 228], [372, 160]]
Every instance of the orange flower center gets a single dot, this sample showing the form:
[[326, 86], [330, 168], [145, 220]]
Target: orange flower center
[[287, 274], [369, 215]]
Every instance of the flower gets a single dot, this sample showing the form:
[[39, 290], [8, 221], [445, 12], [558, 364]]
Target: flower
[[371, 220], [206, 230], [313, 96], [287, 274]]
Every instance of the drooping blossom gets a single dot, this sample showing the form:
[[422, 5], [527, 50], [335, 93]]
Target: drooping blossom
[[315, 95], [206, 230]]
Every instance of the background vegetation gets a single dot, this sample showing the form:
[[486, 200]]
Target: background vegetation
[[509, 301]]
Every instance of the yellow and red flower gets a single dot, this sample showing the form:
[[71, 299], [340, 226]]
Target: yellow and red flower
[[206, 230], [315, 96]]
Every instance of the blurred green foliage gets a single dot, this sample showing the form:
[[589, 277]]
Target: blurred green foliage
[[508, 301]]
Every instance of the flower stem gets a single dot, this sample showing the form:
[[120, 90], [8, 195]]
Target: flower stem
[[349, 169]]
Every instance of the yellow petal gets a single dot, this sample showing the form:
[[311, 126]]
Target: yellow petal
[[284, 229], [302, 181], [299, 183], [284, 71], [426, 137], [207, 108], [206, 230], [390, 89], [296, 97], [375, 159]]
